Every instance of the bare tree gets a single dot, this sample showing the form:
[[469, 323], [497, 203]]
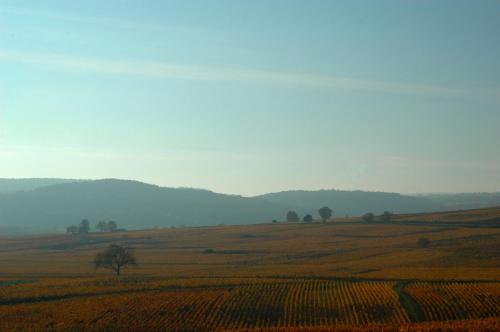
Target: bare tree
[[115, 257]]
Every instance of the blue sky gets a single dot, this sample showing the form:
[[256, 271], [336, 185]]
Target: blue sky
[[253, 96]]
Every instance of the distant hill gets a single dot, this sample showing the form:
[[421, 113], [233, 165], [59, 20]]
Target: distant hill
[[13, 185], [49, 205], [351, 203], [464, 201], [132, 204]]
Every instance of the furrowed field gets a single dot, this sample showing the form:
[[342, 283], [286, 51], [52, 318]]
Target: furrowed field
[[340, 275]]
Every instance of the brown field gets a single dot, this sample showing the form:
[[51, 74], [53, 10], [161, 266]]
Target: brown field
[[485, 325], [274, 277], [456, 300], [476, 216]]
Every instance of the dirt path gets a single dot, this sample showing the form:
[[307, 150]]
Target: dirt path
[[411, 307]]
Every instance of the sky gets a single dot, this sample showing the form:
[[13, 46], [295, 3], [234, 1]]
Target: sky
[[248, 97]]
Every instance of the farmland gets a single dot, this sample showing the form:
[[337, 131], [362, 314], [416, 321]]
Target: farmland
[[284, 276]]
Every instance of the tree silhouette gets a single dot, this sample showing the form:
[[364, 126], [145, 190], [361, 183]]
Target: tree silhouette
[[84, 226], [115, 258], [307, 218], [292, 216], [325, 213]]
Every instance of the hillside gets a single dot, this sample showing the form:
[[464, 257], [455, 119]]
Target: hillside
[[350, 248], [474, 216], [14, 185], [133, 204], [464, 201], [49, 205], [351, 203]]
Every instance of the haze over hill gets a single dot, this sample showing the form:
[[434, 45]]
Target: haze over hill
[[47, 205], [464, 201], [351, 203], [133, 204], [13, 185]]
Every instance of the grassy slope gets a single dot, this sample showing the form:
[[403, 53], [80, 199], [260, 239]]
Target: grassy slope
[[174, 263], [346, 248], [474, 216]]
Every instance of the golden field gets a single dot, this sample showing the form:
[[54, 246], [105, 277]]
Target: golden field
[[341, 275]]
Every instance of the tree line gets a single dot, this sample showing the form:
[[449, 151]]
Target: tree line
[[84, 227], [325, 213]]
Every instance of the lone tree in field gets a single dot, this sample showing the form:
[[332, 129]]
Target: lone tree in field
[[115, 258], [386, 216], [292, 216], [325, 213], [307, 218], [368, 217]]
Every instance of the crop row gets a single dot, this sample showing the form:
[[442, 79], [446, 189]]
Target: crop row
[[263, 305]]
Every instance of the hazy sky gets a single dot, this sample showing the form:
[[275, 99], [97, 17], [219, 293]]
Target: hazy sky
[[253, 96]]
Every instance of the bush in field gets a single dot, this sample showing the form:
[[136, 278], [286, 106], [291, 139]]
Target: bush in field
[[307, 218]]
